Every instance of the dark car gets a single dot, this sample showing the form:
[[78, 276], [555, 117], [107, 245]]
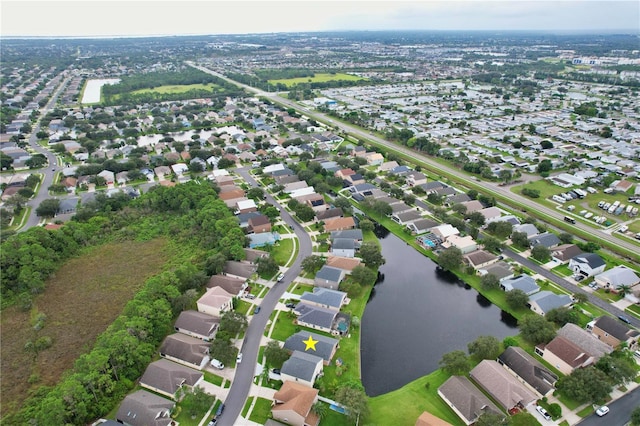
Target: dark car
[[256, 310], [624, 319], [220, 410], [290, 305], [276, 371]]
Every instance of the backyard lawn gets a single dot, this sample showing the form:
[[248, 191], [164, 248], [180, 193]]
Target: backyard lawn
[[404, 406], [281, 252]]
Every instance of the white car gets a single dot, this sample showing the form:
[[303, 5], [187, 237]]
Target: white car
[[239, 358], [217, 364], [280, 277], [602, 411], [543, 412]]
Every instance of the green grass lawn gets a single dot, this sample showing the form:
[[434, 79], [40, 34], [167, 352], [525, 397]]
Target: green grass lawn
[[242, 306], [634, 226], [333, 418], [301, 288], [585, 411], [562, 270], [634, 310], [568, 402], [184, 418], [178, 88], [404, 406], [213, 378], [317, 78], [261, 411], [285, 327], [282, 251]]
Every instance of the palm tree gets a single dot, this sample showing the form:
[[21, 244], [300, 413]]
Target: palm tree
[[320, 409], [623, 290]]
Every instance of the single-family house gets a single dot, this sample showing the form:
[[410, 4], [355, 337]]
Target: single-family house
[[479, 258], [572, 348], [329, 277], [197, 324], [316, 344], [616, 277], [416, 178], [528, 228], [465, 244], [374, 159], [528, 370], [500, 270], [259, 224], [263, 239], [565, 252], [547, 240], [324, 297], [345, 263], [185, 350], [504, 388], [407, 217], [329, 214], [473, 206], [167, 377], [316, 317], [345, 247], [421, 226], [613, 332], [544, 301], [444, 231], [230, 192], [292, 405], [339, 224], [302, 367], [354, 234], [246, 206], [232, 285], [143, 408], [587, 264], [108, 176], [525, 283], [243, 270], [491, 214], [466, 400], [215, 301]]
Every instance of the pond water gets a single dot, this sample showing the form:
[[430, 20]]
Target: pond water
[[92, 90], [416, 314]]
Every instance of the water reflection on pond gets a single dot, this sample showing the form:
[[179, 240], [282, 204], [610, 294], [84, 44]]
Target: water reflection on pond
[[417, 313]]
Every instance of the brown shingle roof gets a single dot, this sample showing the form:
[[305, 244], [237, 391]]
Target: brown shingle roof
[[296, 397]]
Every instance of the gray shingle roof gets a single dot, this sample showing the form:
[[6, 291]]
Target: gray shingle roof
[[315, 315], [466, 398], [522, 282], [547, 239], [548, 300], [329, 273], [324, 347], [529, 369], [615, 328], [501, 385], [587, 342], [185, 348], [354, 234], [168, 376], [324, 296], [343, 244], [593, 260], [197, 322], [620, 275], [142, 408], [301, 365]]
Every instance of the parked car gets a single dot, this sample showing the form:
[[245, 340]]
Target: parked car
[[543, 412], [276, 371], [602, 410], [217, 364], [213, 422], [280, 277], [239, 358], [220, 410], [256, 310], [290, 305]]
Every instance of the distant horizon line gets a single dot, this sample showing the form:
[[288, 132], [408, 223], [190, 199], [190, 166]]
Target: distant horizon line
[[540, 31]]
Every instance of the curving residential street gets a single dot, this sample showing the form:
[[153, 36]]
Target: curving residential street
[[241, 384], [48, 173]]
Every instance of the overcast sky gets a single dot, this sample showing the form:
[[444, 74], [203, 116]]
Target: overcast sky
[[157, 17]]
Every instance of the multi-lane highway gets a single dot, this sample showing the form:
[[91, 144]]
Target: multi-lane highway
[[490, 188]]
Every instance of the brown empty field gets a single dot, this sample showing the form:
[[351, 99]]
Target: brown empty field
[[80, 302]]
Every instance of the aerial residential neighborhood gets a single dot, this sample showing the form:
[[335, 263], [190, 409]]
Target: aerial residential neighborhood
[[321, 228]]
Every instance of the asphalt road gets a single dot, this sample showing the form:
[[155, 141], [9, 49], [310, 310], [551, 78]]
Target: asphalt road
[[620, 412], [568, 285], [487, 187], [47, 172], [241, 384]]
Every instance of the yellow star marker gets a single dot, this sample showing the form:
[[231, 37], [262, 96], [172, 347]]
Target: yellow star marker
[[311, 344]]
